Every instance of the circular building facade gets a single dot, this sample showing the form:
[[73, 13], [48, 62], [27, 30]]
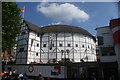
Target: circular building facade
[[63, 42]]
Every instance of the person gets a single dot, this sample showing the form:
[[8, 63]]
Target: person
[[20, 76], [14, 75], [93, 77], [25, 76], [3, 75], [10, 73], [6, 74], [39, 77]]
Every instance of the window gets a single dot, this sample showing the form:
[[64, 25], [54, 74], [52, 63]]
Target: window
[[44, 45], [68, 45], [60, 45], [36, 54], [76, 45], [54, 60], [52, 45], [104, 53], [21, 49], [100, 40], [88, 47], [37, 45], [112, 53], [91, 48], [83, 46], [38, 35], [50, 48], [23, 33]]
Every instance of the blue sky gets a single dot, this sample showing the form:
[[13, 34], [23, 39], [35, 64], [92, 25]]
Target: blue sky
[[87, 15]]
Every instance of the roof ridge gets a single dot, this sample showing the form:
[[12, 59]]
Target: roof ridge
[[59, 28]]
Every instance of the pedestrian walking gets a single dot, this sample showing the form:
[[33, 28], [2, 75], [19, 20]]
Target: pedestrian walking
[[20, 76]]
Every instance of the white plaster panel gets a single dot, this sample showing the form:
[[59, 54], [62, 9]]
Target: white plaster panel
[[76, 37], [60, 36], [38, 38]]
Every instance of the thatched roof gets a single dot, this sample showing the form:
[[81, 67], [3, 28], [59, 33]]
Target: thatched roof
[[58, 29], [32, 26]]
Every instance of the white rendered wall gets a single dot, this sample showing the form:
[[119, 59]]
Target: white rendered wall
[[33, 49], [31, 43], [106, 33], [76, 53]]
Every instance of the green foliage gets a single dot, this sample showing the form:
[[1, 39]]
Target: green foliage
[[10, 24]]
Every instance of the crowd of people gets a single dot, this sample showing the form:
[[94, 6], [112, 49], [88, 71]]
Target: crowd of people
[[11, 75]]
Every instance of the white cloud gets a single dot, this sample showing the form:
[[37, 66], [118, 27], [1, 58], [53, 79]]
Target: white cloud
[[63, 12], [56, 23]]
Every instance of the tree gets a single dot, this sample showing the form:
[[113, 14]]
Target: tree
[[10, 25]]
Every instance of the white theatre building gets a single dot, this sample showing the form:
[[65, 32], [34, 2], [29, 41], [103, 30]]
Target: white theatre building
[[50, 44]]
